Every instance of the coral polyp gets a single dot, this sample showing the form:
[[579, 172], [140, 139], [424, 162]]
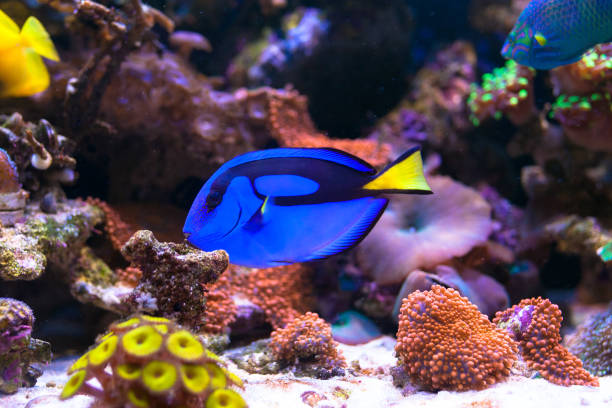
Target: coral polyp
[[148, 361]]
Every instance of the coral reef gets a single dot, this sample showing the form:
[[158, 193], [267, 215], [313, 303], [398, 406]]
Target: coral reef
[[534, 323], [445, 343], [308, 340], [46, 240], [281, 294], [506, 91], [173, 277], [482, 290], [422, 232], [592, 343], [149, 361], [12, 197], [18, 350]]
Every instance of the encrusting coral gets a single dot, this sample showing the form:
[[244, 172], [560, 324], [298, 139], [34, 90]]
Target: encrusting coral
[[445, 343], [535, 323], [308, 340], [422, 232], [592, 343], [152, 362], [18, 351]]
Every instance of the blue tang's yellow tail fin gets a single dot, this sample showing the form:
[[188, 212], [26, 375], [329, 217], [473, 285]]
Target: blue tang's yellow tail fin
[[404, 175]]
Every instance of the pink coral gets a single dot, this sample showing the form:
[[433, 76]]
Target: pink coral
[[307, 337], [445, 343], [422, 232], [534, 323]]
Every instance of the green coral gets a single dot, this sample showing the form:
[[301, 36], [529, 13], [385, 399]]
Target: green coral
[[148, 361], [27, 248], [592, 343]]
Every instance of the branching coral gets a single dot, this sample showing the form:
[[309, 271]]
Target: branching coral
[[586, 120], [590, 74], [592, 343], [534, 323], [17, 349], [149, 361], [173, 276], [422, 232], [445, 343], [506, 91], [308, 339]]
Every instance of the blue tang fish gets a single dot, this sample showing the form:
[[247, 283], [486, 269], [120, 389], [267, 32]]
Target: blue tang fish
[[550, 33], [280, 206]]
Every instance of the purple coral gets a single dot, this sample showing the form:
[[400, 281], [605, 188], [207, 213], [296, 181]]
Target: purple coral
[[413, 125], [17, 349]]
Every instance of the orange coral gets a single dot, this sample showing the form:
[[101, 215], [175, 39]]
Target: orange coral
[[444, 342], [307, 337], [116, 229], [535, 324], [282, 292], [591, 73], [291, 125]]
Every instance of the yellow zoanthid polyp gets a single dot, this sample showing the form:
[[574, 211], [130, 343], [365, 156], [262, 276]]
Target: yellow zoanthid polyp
[[80, 364], [142, 341], [155, 319], [128, 323], [224, 398], [217, 376], [104, 351], [195, 378], [138, 398], [185, 346], [159, 376], [74, 384], [128, 371]]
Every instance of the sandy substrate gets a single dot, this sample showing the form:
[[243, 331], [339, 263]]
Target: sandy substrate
[[282, 391]]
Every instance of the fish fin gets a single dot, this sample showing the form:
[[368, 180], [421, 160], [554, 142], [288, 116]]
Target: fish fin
[[355, 233], [37, 37], [28, 75], [404, 175], [540, 38], [9, 31], [328, 154], [257, 221]]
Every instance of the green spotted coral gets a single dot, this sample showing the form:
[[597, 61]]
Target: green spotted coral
[[151, 362]]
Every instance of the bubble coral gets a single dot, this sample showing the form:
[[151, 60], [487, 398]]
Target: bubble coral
[[506, 91], [308, 338], [586, 120], [535, 323], [422, 232], [592, 343], [17, 349], [445, 343], [149, 361]]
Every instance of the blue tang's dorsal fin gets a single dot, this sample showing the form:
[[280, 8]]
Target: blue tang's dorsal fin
[[328, 154]]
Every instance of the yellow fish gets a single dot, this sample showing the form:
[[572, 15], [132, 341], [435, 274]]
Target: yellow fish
[[22, 70]]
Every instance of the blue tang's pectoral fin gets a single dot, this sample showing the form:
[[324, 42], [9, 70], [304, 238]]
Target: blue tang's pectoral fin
[[354, 233], [257, 221]]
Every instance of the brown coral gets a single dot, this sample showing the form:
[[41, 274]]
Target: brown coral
[[117, 230], [173, 276], [444, 342], [307, 337], [535, 324]]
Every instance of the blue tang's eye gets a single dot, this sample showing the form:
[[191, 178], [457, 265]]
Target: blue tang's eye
[[213, 199]]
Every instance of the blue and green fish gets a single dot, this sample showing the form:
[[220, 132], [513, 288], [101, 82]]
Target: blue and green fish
[[551, 33], [281, 206]]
